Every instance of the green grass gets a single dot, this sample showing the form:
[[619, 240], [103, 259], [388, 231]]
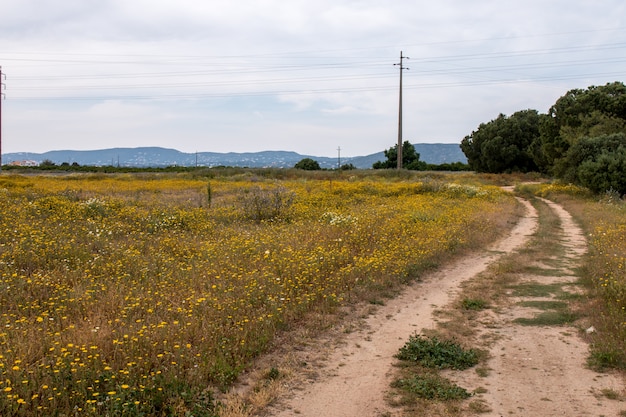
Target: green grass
[[555, 313], [431, 387], [474, 304], [438, 354], [603, 358], [544, 305], [422, 357], [535, 289], [548, 318]]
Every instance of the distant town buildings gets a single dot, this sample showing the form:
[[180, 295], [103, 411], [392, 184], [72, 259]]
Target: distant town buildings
[[26, 163]]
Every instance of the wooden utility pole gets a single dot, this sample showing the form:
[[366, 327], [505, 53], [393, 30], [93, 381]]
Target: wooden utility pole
[[400, 112], [2, 87]]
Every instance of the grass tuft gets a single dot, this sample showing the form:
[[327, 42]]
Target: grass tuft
[[431, 387], [544, 305], [535, 289], [474, 304], [548, 318]]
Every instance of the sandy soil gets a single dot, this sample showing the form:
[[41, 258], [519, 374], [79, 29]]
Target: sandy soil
[[534, 371]]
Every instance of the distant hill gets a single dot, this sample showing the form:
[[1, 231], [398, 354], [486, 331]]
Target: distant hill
[[433, 153]]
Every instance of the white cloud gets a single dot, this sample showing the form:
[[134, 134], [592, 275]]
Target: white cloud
[[299, 75]]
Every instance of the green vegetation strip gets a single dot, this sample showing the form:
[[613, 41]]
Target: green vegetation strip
[[431, 387], [548, 318], [439, 354]]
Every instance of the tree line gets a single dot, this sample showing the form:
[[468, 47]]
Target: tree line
[[411, 161], [581, 140]]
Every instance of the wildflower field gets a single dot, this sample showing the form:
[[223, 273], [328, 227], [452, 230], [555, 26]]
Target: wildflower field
[[604, 220], [129, 294]]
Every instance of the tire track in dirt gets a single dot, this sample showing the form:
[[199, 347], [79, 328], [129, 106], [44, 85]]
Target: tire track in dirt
[[540, 370], [356, 375]]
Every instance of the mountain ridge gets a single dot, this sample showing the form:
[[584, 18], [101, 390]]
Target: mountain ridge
[[152, 156]]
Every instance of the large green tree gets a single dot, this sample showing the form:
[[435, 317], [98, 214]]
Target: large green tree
[[598, 163], [580, 113], [308, 164], [410, 158], [503, 144], [582, 140]]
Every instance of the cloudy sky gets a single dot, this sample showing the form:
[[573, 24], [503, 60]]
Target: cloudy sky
[[301, 75]]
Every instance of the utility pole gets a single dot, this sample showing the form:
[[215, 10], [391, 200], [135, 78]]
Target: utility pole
[[2, 87], [400, 112], [2, 96], [339, 157]]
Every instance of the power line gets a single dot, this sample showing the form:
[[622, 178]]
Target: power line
[[318, 77], [316, 52]]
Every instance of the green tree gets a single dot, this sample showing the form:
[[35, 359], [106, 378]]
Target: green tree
[[47, 163], [410, 158], [308, 164], [503, 144], [595, 111], [598, 163]]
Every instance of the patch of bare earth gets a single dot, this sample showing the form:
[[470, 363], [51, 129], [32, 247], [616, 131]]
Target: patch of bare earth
[[532, 370]]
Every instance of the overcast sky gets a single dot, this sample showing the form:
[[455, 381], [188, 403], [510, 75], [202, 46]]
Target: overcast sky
[[301, 75]]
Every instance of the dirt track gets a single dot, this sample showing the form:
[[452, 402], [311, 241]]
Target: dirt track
[[535, 371]]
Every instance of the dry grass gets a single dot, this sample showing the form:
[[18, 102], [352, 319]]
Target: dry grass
[[145, 300]]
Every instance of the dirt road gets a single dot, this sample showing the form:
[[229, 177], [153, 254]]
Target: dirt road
[[535, 371], [540, 370]]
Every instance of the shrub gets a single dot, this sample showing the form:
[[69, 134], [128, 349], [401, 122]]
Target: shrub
[[261, 204], [435, 353], [597, 163], [308, 164], [605, 173]]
